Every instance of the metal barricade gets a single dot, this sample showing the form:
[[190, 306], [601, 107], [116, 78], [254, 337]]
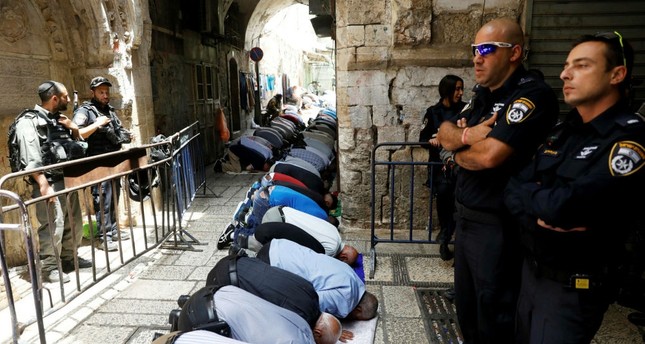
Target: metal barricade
[[25, 227], [188, 176], [393, 190], [178, 177]]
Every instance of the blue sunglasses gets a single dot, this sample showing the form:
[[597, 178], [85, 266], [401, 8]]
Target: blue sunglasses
[[487, 48]]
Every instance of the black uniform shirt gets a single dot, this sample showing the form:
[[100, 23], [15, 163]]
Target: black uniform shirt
[[526, 109], [98, 142], [435, 115], [586, 175]]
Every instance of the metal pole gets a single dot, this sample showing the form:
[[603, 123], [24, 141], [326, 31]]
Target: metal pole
[[258, 114]]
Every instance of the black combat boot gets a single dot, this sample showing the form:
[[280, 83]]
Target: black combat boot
[[445, 252]]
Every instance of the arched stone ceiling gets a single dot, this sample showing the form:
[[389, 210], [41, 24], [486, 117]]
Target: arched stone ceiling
[[264, 10]]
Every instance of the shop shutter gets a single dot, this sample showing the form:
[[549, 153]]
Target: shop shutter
[[553, 25]]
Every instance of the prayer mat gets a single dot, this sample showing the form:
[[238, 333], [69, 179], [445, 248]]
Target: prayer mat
[[364, 330], [358, 267]]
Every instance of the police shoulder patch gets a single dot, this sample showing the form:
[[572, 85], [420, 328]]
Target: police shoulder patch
[[520, 110], [626, 158]]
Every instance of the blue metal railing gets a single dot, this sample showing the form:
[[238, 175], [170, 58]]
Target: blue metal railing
[[392, 193], [180, 176]]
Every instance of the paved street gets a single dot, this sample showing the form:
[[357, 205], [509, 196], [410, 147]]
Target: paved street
[[133, 303]]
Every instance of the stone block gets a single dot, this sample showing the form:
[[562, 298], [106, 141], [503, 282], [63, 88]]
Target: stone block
[[360, 116], [342, 79], [383, 115], [452, 6], [355, 35], [342, 113], [412, 27], [378, 36], [374, 55], [345, 58], [367, 78], [391, 134], [346, 139], [368, 95], [350, 180], [359, 12]]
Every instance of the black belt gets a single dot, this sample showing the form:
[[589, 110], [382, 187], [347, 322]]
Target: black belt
[[569, 279], [281, 213], [477, 215], [232, 271]]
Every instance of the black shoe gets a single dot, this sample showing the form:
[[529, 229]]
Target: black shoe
[[226, 237], [68, 265], [445, 252], [449, 294], [636, 318], [242, 240], [237, 250], [217, 167]]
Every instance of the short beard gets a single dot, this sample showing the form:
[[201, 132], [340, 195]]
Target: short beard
[[62, 107]]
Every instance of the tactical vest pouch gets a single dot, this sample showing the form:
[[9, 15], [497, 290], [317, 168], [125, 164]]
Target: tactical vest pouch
[[116, 136], [124, 135], [61, 151]]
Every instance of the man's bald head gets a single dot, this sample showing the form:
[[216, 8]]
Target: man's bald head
[[327, 329], [505, 30], [348, 254], [366, 309]]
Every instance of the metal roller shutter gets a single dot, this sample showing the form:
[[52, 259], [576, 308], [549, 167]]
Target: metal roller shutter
[[552, 25]]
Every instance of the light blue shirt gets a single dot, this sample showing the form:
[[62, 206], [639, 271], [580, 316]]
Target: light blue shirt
[[339, 288], [255, 320], [282, 195]]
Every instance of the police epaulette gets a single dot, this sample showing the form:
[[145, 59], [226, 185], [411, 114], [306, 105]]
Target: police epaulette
[[628, 119], [525, 80]]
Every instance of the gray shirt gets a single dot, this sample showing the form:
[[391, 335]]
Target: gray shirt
[[30, 132]]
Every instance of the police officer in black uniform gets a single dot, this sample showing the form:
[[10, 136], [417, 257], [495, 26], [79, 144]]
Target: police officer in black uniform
[[573, 200], [508, 117], [441, 178], [104, 133]]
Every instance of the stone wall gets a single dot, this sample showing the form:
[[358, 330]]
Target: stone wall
[[390, 57], [72, 41]]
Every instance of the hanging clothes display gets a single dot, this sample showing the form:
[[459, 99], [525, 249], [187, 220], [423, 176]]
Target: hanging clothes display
[[244, 104], [263, 86], [251, 90], [270, 82], [286, 86]]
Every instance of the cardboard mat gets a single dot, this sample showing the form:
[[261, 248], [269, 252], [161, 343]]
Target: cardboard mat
[[364, 331]]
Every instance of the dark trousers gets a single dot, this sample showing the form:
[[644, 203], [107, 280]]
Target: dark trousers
[[487, 277], [263, 253], [106, 216], [443, 189], [547, 312]]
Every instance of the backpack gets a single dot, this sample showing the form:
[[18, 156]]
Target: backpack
[[159, 152], [58, 147], [12, 142]]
